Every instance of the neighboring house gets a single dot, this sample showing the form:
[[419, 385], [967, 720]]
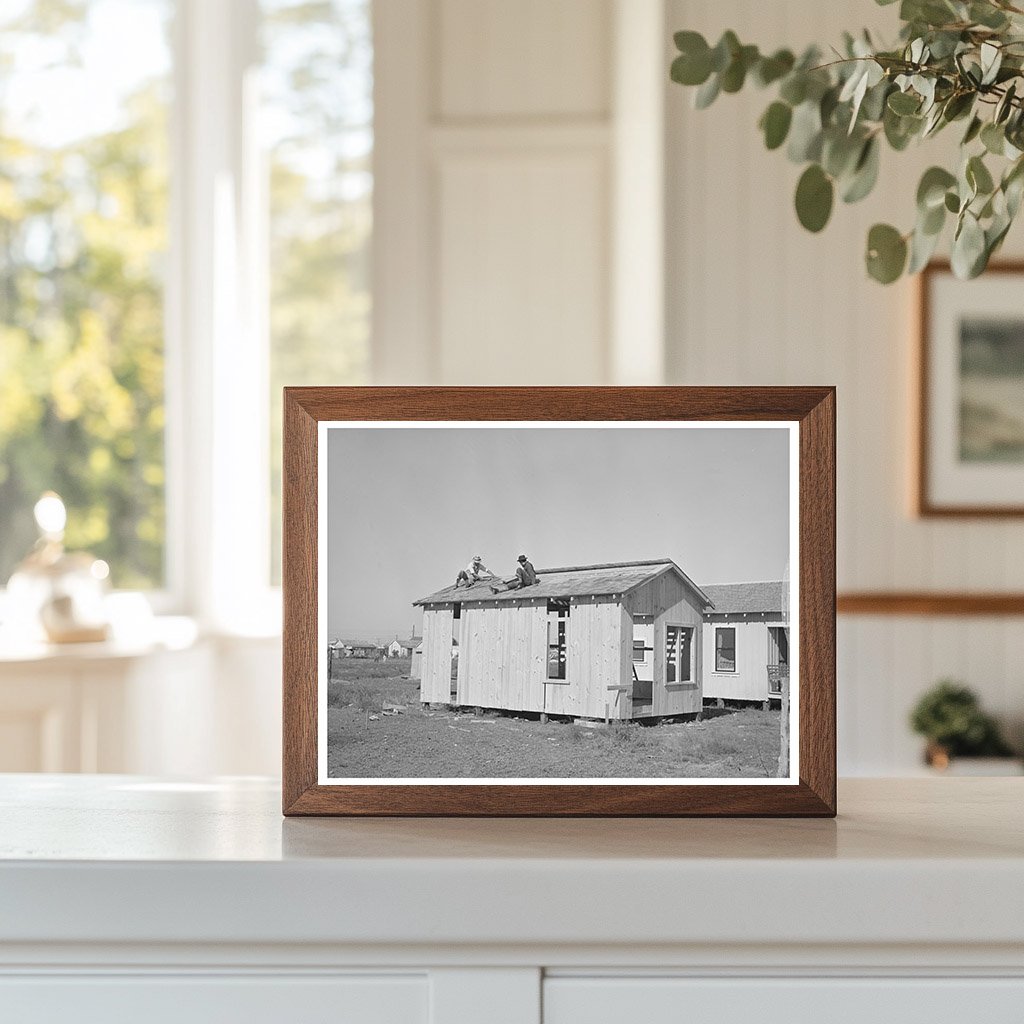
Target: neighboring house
[[403, 648], [746, 641], [620, 640], [366, 650]]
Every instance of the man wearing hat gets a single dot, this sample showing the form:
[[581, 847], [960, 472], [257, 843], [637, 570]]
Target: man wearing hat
[[526, 575], [476, 570]]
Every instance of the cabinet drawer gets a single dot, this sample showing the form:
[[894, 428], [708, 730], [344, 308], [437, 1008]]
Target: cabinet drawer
[[202, 999], [660, 1000]]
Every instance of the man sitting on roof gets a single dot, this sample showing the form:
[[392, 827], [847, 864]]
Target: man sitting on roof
[[475, 571], [526, 575]]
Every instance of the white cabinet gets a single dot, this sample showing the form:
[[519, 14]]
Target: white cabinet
[[828, 1000], [216, 1000], [126, 899]]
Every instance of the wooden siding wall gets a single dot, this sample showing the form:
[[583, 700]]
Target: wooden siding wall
[[671, 602], [594, 662], [502, 656], [750, 680], [436, 681], [503, 659]]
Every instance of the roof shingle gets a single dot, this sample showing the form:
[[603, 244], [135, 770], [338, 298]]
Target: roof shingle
[[740, 598]]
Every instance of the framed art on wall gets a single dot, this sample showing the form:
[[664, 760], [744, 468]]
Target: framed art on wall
[[559, 601], [970, 450]]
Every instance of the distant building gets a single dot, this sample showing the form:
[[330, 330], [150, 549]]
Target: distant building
[[403, 648], [621, 640], [746, 641], [365, 650]]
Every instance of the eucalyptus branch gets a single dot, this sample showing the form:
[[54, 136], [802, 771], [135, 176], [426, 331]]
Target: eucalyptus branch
[[954, 60]]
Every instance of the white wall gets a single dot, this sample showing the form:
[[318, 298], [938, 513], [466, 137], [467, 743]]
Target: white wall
[[508, 134], [754, 299]]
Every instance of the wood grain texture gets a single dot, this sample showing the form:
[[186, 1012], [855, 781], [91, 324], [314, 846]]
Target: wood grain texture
[[923, 503], [925, 603], [299, 597], [813, 407]]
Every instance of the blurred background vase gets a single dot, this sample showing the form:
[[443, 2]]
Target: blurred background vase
[[56, 595]]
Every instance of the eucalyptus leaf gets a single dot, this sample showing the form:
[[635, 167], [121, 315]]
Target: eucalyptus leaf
[[987, 15], [991, 60], [886, 253], [922, 248], [687, 70], [794, 88], [873, 106], [968, 248], [725, 49], [1005, 105], [900, 130], [707, 93], [814, 196], [775, 124], [932, 221], [735, 74], [978, 176], [840, 152], [1013, 186], [931, 190], [958, 105], [993, 138], [771, 69], [973, 130], [805, 133], [865, 173], [903, 103]]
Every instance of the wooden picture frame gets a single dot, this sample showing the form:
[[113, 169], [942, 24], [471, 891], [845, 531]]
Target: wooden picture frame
[[808, 412], [941, 489]]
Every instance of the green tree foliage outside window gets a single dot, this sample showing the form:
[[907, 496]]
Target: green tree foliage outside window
[[318, 119], [83, 230]]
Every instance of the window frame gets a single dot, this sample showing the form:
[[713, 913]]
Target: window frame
[[683, 632], [726, 671], [558, 615]]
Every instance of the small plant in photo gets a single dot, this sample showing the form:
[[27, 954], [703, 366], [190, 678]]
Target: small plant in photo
[[956, 62], [366, 699], [950, 717]]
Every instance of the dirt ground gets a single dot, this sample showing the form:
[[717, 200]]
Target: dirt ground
[[365, 741]]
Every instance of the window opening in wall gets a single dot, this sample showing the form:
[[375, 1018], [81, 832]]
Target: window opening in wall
[[778, 658], [725, 649], [678, 643], [558, 630]]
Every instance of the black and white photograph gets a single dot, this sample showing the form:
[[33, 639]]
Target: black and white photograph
[[571, 601]]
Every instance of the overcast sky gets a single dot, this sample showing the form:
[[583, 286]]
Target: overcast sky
[[408, 508]]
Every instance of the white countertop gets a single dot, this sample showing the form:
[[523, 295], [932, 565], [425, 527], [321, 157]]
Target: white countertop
[[121, 859]]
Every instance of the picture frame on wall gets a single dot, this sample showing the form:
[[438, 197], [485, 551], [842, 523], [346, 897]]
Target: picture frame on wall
[[970, 382], [559, 601]]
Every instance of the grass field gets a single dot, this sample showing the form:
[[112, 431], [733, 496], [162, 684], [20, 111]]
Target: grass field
[[365, 742]]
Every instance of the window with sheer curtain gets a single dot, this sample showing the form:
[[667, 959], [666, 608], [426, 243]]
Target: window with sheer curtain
[[98, 166]]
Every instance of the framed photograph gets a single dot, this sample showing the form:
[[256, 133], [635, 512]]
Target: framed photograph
[[970, 450], [559, 601]]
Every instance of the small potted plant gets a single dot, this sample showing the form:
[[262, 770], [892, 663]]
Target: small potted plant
[[950, 717]]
